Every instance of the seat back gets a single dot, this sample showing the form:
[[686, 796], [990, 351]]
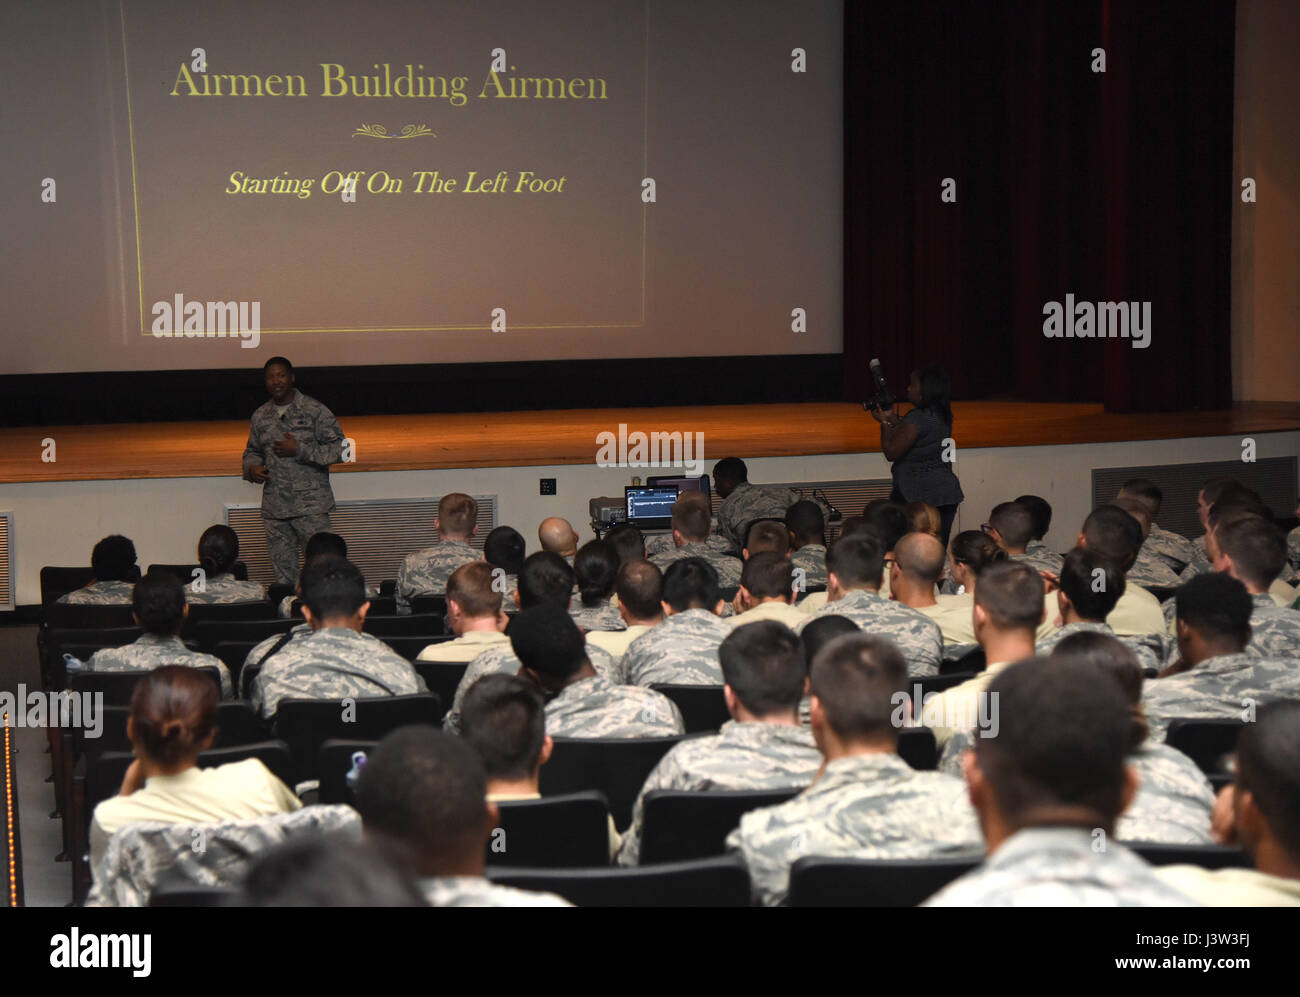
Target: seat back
[[1205, 742], [383, 605], [333, 763], [616, 767], [117, 687], [237, 725], [555, 832], [210, 633], [409, 646], [704, 709], [200, 613], [432, 605], [276, 591], [936, 683], [306, 724], [694, 825], [1205, 856], [835, 882], [58, 582], [73, 616], [185, 572], [170, 892], [917, 747], [442, 679], [80, 644], [972, 662], [722, 881], [400, 626]]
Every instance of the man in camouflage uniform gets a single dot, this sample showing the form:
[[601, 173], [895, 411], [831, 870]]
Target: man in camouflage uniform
[[763, 746], [690, 528], [1293, 552], [854, 566], [1049, 789], [766, 592], [683, 649], [867, 802], [1090, 586], [158, 604], [428, 792], [639, 592], [544, 578], [1172, 550], [558, 536], [1147, 570], [743, 503], [1012, 526], [474, 615], [581, 703], [113, 562], [337, 661], [1253, 550], [426, 571], [1216, 676], [807, 528], [264, 649], [292, 442]]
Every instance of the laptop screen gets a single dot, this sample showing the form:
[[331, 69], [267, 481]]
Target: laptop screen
[[650, 506], [698, 484]]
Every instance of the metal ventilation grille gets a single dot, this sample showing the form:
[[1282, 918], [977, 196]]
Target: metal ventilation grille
[[1274, 478], [6, 560], [379, 533], [849, 497]]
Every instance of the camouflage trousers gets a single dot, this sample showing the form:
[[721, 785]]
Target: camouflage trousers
[[284, 539]]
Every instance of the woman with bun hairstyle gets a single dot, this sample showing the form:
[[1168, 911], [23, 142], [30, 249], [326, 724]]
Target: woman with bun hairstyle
[[173, 719], [218, 552]]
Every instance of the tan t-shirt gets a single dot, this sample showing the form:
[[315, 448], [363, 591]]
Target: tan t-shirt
[[464, 648], [781, 612], [1137, 612], [1232, 887]]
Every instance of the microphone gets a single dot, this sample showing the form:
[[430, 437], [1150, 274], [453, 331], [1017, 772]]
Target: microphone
[[883, 398]]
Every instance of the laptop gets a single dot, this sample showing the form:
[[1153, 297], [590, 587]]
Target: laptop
[[650, 507], [698, 484]]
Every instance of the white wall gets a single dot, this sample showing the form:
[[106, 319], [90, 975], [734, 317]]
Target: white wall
[[58, 522]]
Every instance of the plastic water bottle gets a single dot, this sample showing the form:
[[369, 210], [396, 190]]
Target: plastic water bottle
[[72, 665], [354, 773]]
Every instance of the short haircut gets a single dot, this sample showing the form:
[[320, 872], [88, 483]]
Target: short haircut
[[768, 575], [504, 548], [1063, 739], [546, 640], [920, 556], [282, 361], [730, 471], [628, 543], [545, 577], [888, 520], [457, 514], [977, 550], [763, 664], [922, 517], [806, 521], [857, 678], [427, 790], [174, 710], [1011, 593], [325, 543], [1117, 660], [820, 631], [640, 589], [691, 583], [1215, 606], [332, 587], [1257, 548], [218, 549], [1228, 490], [158, 601], [470, 587], [690, 518], [1268, 767], [328, 871], [767, 535], [503, 719], [1138, 509], [1013, 521], [594, 567], [1144, 490], [1040, 511], [857, 560], [1079, 583], [1115, 534], [113, 559]]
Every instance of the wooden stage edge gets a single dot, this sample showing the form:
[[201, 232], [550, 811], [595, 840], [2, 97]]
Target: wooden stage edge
[[524, 439]]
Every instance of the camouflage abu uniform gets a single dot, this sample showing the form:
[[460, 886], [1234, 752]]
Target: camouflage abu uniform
[[1150, 571], [1274, 631], [1040, 559], [478, 891], [333, 663], [863, 806], [1293, 552], [503, 659], [297, 500], [663, 543], [682, 650], [101, 594], [1173, 549], [595, 707], [727, 567], [150, 651], [223, 590], [263, 648], [1059, 867], [741, 756], [1146, 656], [748, 503], [917, 636], [811, 560], [1225, 687], [426, 571], [1173, 802], [603, 617]]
